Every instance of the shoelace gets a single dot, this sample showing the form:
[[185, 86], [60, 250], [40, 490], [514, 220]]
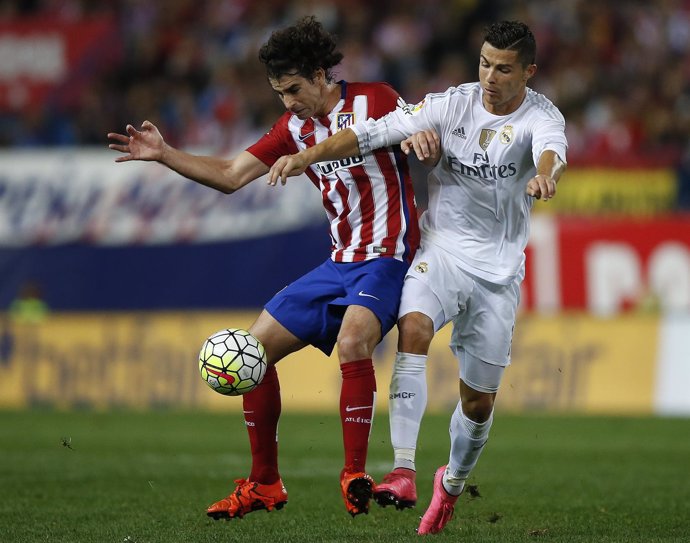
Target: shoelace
[[446, 514]]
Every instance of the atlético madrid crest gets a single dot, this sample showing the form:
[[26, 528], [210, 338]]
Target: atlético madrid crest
[[343, 120]]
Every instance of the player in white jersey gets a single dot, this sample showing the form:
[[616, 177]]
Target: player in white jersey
[[501, 146], [352, 298]]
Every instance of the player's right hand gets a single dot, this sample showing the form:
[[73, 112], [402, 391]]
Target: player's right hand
[[144, 144], [286, 166]]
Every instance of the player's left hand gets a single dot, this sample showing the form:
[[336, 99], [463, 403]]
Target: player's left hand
[[426, 146], [286, 166], [542, 187]]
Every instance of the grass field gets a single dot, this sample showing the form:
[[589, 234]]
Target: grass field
[[147, 477]]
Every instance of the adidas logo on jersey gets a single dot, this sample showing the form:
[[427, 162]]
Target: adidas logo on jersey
[[459, 132]]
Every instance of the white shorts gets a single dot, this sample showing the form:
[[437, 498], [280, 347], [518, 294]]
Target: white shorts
[[483, 313]]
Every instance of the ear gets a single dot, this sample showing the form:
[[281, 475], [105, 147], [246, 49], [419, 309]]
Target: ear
[[319, 75], [529, 72]]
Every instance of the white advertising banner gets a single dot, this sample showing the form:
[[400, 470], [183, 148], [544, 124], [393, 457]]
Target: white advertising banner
[[61, 196]]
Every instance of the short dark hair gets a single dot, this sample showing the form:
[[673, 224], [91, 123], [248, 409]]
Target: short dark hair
[[513, 36], [300, 49]]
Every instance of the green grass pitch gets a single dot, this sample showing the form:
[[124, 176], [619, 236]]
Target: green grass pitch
[[148, 477]]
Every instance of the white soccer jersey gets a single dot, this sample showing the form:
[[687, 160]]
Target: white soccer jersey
[[478, 207]]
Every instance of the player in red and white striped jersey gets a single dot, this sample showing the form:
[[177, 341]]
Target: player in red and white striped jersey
[[368, 199], [351, 299]]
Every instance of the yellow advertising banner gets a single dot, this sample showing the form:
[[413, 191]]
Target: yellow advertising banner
[[149, 360], [582, 363], [592, 191]]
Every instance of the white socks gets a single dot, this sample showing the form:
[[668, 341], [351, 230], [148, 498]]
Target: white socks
[[467, 439], [406, 404]]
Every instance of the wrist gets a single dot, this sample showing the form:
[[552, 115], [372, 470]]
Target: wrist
[[164, 156]]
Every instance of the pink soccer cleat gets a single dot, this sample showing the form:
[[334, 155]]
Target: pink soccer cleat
[[398, 488], [441, 508]]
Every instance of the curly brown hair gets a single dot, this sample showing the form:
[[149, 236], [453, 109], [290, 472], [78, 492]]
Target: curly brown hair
[[300, 49]]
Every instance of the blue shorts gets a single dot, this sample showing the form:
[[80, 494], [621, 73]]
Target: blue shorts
[[312, 307]]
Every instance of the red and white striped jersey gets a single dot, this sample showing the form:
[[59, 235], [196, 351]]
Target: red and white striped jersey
[[368, 199]]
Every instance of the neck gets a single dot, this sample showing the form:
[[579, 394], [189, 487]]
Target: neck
[[331, 98], [507, 107]]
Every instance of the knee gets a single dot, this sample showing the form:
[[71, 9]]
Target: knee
[[416, 332], [352, 348], [479, 407]]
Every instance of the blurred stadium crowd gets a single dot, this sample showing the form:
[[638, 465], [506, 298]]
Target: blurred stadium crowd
[[618, 69]]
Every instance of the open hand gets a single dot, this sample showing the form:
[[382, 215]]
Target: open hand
[[144, 144]]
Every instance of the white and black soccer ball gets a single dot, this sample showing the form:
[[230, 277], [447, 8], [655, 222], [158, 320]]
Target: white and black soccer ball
[[232, 362]]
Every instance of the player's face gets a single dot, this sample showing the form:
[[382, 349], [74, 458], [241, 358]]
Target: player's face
[[301, 96], [503, 79]]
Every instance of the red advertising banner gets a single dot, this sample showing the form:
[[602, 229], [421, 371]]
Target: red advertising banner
[[42, 59], [608, 266]]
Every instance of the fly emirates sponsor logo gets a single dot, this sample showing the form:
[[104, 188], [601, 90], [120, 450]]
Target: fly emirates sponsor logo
[[481, 168]]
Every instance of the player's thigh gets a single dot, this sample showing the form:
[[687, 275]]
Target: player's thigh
[[276, 339], [434, 286], [485, 327], [304, 306], [376, 285], [421, 315], [480, 378]]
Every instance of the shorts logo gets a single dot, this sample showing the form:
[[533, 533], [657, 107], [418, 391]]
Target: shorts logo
[[362, 293], [422, 267], [343, 120]]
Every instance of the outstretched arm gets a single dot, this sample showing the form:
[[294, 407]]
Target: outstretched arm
[[224, 175], [342, 144], [549, 170]]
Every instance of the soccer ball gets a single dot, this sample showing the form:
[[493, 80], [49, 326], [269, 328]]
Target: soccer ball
[[232, 362]]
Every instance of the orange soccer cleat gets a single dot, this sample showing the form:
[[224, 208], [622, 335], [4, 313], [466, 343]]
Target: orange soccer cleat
[[249, 496], [398, 488], [357, 489]]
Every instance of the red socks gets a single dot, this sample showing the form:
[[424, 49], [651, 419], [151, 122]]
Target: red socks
[[262, 408], [261, 413], [357, 399]]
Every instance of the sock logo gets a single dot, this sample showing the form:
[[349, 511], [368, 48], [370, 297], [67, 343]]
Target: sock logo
[[358, 420], [348, 408], [401, 395]]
